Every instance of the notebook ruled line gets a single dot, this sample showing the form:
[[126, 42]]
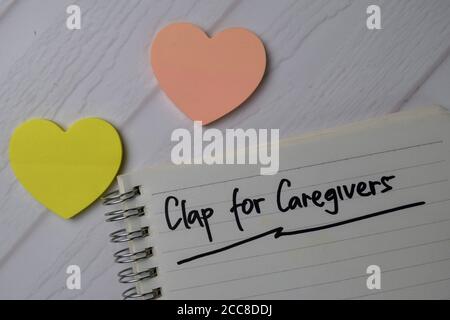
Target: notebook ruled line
[[354, 278], [242, 238], [304, 167], [316, 265], [314, 185], [402, 288], [310, 246], [274, 212]]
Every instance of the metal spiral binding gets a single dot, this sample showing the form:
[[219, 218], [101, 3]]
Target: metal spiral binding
[[125, 255]]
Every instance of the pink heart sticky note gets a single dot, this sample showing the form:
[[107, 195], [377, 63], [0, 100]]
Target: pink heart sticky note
[[205, 77]]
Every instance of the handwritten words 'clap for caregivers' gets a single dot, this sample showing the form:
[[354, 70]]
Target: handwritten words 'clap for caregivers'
[[328, 199]]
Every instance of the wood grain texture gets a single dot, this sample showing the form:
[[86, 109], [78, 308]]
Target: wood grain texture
[[325, 69]]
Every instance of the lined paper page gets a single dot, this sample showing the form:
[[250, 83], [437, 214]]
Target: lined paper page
[[401, 222]]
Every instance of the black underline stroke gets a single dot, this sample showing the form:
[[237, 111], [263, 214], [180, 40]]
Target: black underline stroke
[[279, 231]]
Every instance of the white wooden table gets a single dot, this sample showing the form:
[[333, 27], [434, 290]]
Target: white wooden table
[[325, 68]]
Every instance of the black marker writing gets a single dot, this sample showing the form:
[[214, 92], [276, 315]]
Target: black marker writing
[[328, 199], [279, 231], [247, 206], [331, 195], [194, 216]]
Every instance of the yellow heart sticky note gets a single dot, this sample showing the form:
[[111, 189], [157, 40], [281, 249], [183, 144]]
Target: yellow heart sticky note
[[65, 170]]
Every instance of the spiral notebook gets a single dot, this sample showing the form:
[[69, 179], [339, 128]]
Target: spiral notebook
[[358, 212]]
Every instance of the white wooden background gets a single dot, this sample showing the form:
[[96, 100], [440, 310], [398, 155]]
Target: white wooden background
[[325, 69]]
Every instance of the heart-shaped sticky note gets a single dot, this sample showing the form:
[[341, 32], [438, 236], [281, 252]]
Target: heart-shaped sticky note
[[207, 77], [65, 170]]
